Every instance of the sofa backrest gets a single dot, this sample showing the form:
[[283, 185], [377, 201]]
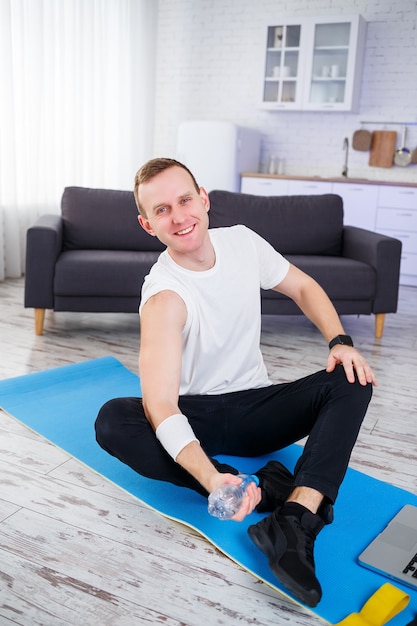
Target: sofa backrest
[[103, 219], [291, 224]]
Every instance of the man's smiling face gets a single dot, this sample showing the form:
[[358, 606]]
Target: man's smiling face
[[176, 213]]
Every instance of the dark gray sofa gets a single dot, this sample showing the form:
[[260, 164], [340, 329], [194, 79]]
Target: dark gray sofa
[[94, 256]]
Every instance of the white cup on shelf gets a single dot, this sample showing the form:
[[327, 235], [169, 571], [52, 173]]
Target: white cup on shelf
[[286, 71], [334, 71]]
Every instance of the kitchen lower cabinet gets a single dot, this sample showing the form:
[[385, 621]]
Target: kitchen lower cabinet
[[360, 203], [397, 217], [264, 186], [308, 187]]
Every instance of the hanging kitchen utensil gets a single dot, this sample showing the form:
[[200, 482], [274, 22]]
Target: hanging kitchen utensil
[[382, 148], [361, 140], [414, 156], [402, 156]]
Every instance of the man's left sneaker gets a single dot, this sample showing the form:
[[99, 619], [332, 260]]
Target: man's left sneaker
[[287, 538]]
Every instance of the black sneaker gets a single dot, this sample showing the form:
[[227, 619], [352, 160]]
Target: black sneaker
[[276, 483], [287, 538]]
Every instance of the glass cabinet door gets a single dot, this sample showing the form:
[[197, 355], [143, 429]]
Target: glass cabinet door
[[330, 63], [282, 64]]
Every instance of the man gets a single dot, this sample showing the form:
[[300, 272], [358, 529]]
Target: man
[[205, 386]]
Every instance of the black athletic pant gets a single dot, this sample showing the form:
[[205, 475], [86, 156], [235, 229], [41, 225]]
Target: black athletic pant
[[324, 406]]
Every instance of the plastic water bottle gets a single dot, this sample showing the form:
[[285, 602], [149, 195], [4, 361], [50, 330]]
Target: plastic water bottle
[[225, 501]]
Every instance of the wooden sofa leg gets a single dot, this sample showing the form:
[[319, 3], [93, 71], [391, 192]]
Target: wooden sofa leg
[[379, 324], [39, 321]]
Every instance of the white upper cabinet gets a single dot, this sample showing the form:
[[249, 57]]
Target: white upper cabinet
[[283, 67], [314, 64]]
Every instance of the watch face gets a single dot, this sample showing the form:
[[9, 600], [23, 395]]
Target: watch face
[[346, 340]]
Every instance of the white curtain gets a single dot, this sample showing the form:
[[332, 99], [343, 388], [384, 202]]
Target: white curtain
[[76, 105]]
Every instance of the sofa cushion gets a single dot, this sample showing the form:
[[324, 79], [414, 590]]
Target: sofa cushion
[[103, 219], [291, 224], [341, 278], [116, 273]]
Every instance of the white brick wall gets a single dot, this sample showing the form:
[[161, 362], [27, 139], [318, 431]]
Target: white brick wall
[[209, 65]]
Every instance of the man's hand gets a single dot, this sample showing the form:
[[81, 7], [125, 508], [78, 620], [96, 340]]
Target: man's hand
[[352, 362], [251, 498]]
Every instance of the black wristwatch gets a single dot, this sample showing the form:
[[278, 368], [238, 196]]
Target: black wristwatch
[[345, 340]]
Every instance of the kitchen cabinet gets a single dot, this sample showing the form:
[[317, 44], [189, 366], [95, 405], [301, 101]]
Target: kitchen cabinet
[[283, 69], [264, 186], [308, 187], [360, 203], [397, 217], [314, 64], [388, 209]]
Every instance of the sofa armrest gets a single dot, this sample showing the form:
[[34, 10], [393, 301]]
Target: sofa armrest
[[43, 246], [383, 253]]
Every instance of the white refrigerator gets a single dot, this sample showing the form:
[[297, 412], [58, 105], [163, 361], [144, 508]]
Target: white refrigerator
[[218, 152]]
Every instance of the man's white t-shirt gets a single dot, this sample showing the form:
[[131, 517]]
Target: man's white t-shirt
[[221, 337]]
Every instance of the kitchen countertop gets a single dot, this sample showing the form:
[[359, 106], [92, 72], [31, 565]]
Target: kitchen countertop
[[330, 179]]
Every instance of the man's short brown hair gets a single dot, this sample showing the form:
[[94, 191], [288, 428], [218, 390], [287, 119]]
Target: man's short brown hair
[[150, 169]]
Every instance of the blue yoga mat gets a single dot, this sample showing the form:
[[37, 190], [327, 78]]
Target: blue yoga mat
[[61, 404]]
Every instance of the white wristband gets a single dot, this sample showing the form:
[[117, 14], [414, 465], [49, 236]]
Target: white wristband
[[174, 433]]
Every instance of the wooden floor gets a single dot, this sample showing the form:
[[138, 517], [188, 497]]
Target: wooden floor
[[77, 550]]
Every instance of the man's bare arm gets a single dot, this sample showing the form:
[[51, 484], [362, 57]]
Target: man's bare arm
[[160, 358], [316, 305]]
